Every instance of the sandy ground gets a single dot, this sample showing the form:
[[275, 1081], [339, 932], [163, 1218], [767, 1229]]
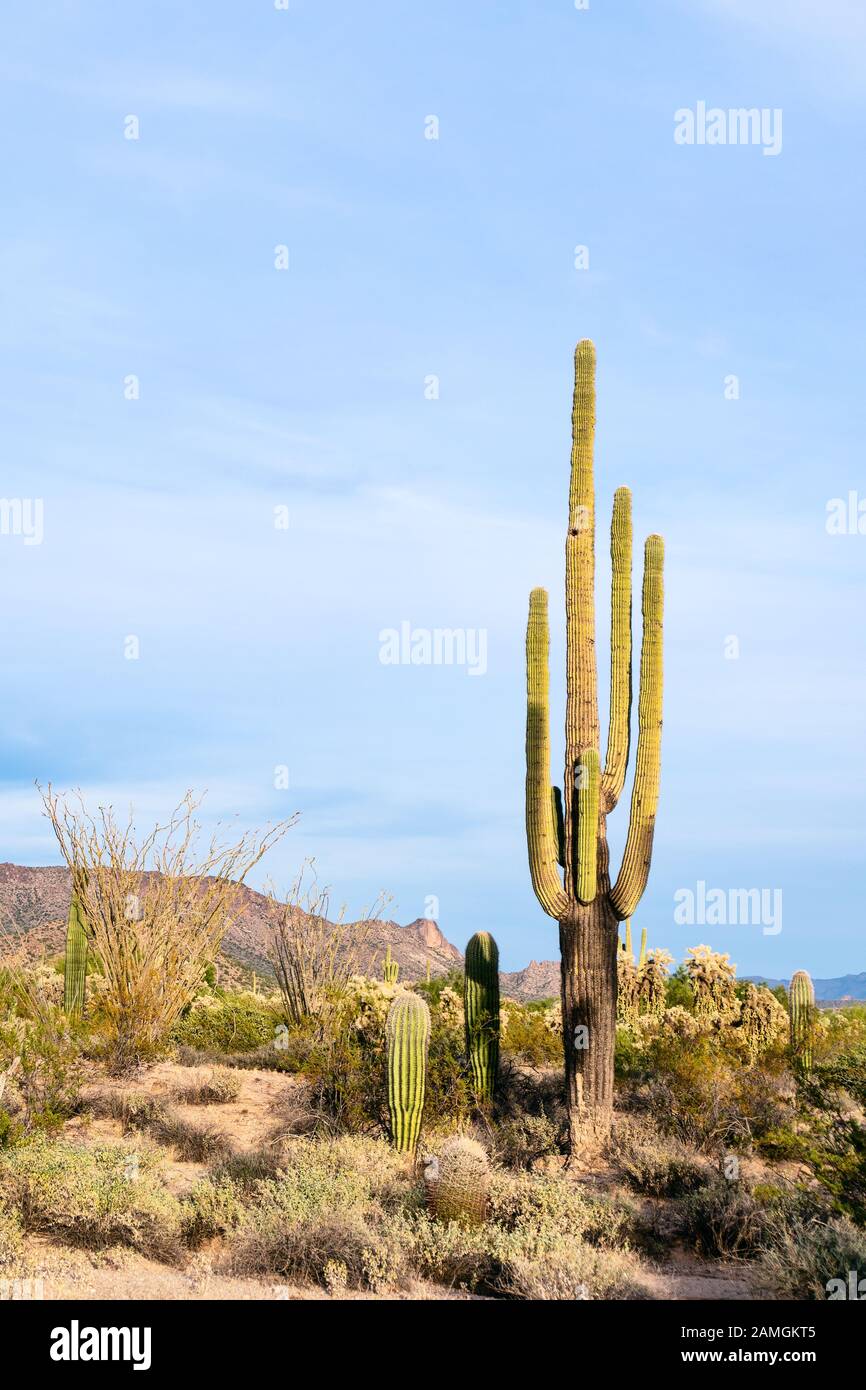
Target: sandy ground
[[264, 1107]]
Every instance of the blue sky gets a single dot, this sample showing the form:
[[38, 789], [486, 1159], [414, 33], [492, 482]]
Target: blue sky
[[305, 389]]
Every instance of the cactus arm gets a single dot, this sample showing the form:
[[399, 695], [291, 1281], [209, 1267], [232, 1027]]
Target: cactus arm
[[539, 820], [75, 964], [642, 956], [581, 711], [634, 871], [589, 778], [558, 827], [628, 938], [616, 760]]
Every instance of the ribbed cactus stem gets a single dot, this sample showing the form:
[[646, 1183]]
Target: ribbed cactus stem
[[801, 998], [75, 964], [407, 1035], [642, 957], [481, 1012], [570, 831], [391, 968], [628, 937]]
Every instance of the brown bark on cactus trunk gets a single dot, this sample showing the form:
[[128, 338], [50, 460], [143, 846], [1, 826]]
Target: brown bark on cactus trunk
[[588, 945]]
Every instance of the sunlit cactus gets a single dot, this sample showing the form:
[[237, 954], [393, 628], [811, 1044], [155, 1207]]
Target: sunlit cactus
[[801, 1008], [713, 981], [457, 1181], [75, 962], [757, 1019], [390, 969], [407, 1034], [568, 828], [481, 1012]]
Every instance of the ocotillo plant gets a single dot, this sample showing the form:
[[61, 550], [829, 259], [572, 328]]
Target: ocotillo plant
[[481, 1012], [582, 900], [390, 969], [801, 1005], [407, 1033], [75, 964]]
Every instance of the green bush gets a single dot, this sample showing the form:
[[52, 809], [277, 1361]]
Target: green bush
[[225, 1023]]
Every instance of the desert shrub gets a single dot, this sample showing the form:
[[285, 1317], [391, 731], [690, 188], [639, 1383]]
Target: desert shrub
[[40, 1063], [831, 1137], [92, 1197], [10, 1237], [193, 1143], [217, 1088], [656, 1165], [545, 1208], [214, 1207], [227, 1023], [803, 1258], [725, 1219], [527, 1035], [521, 1141]]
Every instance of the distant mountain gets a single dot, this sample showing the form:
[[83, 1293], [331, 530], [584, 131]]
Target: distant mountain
[[538, 980], [845, 988], [34, 903]]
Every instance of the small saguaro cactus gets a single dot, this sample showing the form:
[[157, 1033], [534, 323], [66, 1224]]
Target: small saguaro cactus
[[407, 1034], [569, 828], [75, 964], [801, 1005], [390, 969], [641, 960], [481, 1012], [457, 1181]]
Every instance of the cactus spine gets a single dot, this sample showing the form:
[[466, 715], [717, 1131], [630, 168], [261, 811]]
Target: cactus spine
[[582, 899], [391, 969], [75, 964], [801, 1000], [457, 1181], [481, 1012], [407, 1033]]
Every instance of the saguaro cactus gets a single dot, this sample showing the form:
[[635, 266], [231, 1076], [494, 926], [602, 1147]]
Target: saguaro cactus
[[407, 1033], [390, 968], [481, 1012], [75, 964], [801, 1002], [582, 900]]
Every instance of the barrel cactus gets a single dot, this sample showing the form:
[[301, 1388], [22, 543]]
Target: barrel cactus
[[75, 963], [801, 1004], [457, 1181], [481, 1012], [407, 1033], [391, 969]]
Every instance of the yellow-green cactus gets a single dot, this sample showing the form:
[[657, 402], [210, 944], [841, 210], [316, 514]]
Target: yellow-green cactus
[[801, 1007], [481, 1012], [407, 1033], [581, 897], [75, 963], [390, 968]]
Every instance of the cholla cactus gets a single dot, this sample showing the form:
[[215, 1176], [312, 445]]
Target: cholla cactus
[[457, 1181], [481, 1012], [653, 982], [801, 1005], [712, 978], [627, 996], [390, 969], [569, 828], [757, 1019], [407, 1034], [75, 964]]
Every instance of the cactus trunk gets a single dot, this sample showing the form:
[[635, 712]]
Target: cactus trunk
[[582, 899], [801, 999], [407, 1033], [75, 964], [481, 1012]]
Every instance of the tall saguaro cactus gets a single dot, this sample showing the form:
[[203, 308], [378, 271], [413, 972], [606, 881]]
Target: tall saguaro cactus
[[581, 898], [481, 1012], [75, 963], [407, 1033], [801, 1008]]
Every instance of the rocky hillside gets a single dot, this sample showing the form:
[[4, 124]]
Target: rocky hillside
[[539, 980], [34, 903]]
